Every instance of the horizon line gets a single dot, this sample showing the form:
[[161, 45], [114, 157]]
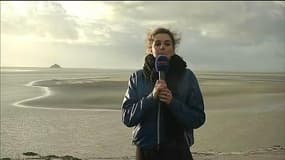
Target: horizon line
[[105, 68]]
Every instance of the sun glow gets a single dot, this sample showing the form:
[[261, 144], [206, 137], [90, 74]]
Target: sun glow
[[93, 10], [15, 8], [87, 10]]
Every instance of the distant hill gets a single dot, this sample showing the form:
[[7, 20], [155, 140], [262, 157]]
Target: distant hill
[[55, 66]]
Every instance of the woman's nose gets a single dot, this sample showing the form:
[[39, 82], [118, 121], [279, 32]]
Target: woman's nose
[[161, 46]]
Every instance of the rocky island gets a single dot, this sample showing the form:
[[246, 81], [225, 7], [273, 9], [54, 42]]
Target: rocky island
[[55, 66]]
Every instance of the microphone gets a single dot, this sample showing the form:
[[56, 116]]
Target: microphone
[[161, 66]]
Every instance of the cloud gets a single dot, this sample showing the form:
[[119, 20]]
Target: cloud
[[244, 23], [240, 22], [45, 19], [215, 35]]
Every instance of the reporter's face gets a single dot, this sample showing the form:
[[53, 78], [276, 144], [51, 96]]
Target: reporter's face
[[162, 45]]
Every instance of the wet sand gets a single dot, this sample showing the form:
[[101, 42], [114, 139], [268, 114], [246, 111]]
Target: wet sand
[[245, 115]]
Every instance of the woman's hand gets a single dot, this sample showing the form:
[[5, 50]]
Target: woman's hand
[[161, 91], [158, 87], [165, 96]]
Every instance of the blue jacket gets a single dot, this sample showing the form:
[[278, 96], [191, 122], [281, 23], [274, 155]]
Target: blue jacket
[[139, 109]]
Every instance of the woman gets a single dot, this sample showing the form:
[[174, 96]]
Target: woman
[[165, 131]]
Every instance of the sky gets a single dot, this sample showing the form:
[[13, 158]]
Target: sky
[[219, 36]]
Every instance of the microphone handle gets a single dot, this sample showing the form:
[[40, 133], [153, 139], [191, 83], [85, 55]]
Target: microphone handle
[[161, 75]]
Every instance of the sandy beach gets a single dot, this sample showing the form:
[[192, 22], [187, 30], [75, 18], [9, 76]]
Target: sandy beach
[[77, 113]]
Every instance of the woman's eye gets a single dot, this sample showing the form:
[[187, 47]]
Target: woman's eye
[[167, 44], [157, 44]]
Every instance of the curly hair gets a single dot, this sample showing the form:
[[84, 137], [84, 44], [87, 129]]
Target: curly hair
[[174, 36]]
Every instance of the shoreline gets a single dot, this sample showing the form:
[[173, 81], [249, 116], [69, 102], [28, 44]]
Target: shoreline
[[47, 92], [106, 94], [275, 152]]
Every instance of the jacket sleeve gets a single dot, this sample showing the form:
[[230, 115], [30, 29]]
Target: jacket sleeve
[[133, 106], [190, 114]]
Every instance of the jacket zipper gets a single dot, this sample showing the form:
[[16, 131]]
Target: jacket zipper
[[158, 125]]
